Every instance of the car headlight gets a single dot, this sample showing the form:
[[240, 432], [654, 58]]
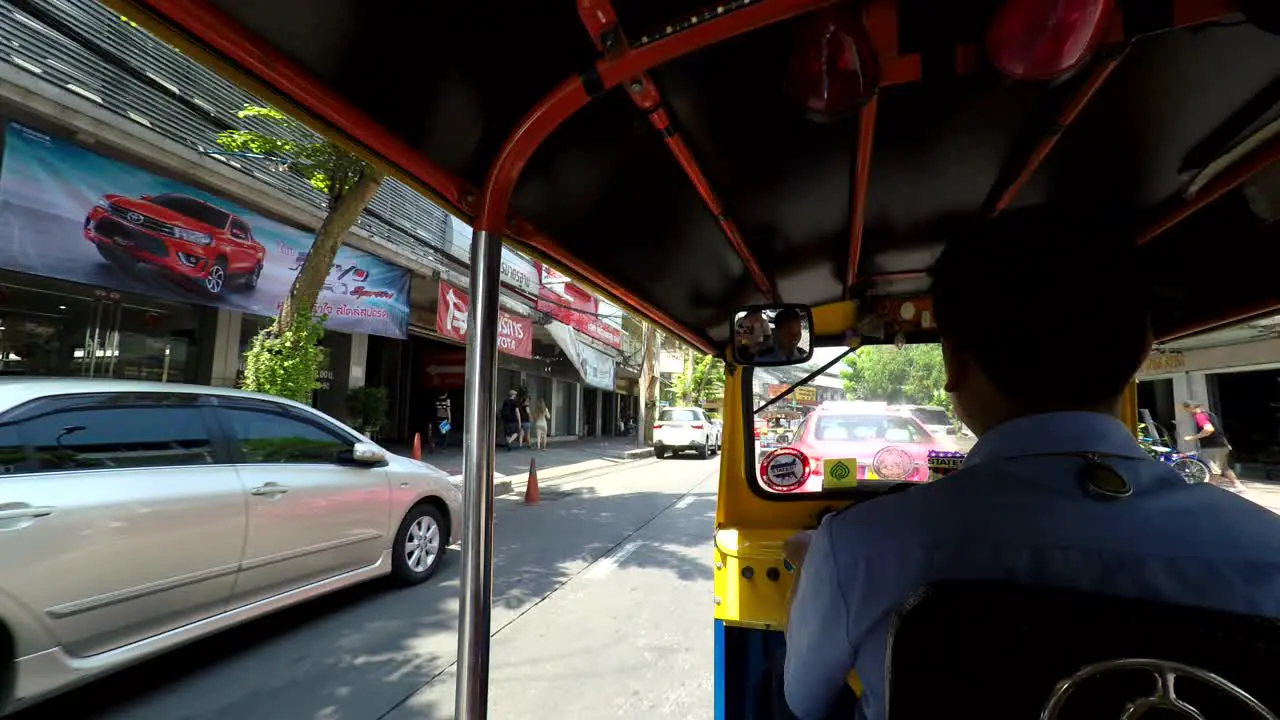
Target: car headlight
[[102, 203], [192, 236]]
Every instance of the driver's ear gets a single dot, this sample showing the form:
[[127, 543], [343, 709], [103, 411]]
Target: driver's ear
[[956, 364]]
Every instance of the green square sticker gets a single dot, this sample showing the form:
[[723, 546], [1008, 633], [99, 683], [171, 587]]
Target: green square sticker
[[839, 473]]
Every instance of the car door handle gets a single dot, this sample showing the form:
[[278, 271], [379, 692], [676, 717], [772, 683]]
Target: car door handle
[[270, 489], [25, 511]]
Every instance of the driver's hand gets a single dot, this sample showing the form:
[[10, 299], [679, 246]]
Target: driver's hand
[[797, 546]]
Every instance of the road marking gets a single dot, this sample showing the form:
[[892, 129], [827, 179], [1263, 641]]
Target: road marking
[[685, 502], [610, 562]]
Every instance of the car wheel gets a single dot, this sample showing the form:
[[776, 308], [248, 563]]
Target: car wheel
[[215, 281], [704, 451], [419, 545], [251, 280], [659, 452]]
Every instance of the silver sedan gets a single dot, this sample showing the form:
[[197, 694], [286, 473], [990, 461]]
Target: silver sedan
[[135, 517]]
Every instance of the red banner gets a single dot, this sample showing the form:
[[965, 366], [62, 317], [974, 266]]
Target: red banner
[[515, 334], [578, 311]]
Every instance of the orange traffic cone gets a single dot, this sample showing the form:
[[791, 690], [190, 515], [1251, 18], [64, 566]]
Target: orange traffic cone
[[417, 446], [531, 488]]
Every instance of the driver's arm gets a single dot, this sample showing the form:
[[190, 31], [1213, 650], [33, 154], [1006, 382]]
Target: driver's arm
[[819, 655]]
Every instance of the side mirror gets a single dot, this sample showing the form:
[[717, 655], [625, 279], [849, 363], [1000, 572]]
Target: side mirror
[[363, 453], [145, 197], [772, 335]]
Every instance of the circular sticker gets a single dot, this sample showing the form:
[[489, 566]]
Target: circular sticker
[[893, 463], [784, 469]]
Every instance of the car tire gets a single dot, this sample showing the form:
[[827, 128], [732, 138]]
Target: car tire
[[414, 557], [660, 452], [704, 452], [251, 280], [215, 280]]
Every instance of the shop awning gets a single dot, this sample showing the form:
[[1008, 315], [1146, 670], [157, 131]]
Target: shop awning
[[595, 367]]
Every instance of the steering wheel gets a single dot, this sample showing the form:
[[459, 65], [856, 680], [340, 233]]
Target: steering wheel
[[1164, 697]]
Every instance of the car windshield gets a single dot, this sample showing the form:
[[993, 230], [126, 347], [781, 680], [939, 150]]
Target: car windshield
[[193, 208], [679, 416], [844, 423], [931, 416]]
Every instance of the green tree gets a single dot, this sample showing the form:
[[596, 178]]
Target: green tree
[[348, 183], [912, 375], [702, 379], [284, 358]]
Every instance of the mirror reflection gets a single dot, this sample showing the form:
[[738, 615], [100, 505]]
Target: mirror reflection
[[767, 336]]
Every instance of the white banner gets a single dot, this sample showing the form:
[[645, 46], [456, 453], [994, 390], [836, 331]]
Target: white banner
[[519, 273], [597, 368]]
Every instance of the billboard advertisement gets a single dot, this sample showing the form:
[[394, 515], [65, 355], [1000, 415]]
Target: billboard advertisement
[[597, 369], [69, 213], [515, 334], [578, 310]]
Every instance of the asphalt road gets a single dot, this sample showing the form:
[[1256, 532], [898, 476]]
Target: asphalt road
[[602, 608]]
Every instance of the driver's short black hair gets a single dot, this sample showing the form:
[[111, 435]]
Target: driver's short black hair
[[786, 315], [1054, 313]]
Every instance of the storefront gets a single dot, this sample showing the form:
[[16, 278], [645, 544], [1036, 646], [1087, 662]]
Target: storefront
[[54, 327]]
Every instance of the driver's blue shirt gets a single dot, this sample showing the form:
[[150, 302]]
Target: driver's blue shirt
[[1016, 511]]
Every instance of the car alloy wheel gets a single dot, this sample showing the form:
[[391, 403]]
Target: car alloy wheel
[[255, 276], [422, 544], [215, 279]]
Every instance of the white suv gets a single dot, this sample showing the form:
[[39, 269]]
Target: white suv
[[680, 429]]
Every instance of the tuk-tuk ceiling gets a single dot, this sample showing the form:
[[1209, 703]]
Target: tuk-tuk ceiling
[[452, 79]]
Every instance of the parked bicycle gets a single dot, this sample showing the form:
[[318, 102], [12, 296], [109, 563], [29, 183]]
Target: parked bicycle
[[1188, 465]]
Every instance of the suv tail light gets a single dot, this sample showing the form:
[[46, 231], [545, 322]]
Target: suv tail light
[[657, 426], [697, 426]]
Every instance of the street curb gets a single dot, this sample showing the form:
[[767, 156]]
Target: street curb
[[638, 453]]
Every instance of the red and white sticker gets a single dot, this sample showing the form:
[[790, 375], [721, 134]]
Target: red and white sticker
[[784, 469]]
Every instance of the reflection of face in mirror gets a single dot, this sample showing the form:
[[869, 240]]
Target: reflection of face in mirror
[[789, 332]]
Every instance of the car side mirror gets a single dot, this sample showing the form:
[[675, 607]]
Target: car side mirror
[[772, 335], [363, 453], [145, 197]]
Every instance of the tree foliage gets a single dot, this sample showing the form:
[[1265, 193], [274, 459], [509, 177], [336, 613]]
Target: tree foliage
[[286, 363], [912, 375], [282, 356], [327, 167], [702, 379]]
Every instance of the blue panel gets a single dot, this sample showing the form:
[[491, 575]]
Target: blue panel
[[719, 669]]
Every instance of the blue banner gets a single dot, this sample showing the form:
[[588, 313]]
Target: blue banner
[[69, 213]]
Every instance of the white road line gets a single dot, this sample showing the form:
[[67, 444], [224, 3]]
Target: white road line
[[685, 502], [610, 562]]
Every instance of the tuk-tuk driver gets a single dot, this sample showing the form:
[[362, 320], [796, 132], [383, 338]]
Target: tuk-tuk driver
[[1042, 330]]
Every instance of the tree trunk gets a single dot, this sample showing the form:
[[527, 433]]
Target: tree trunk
[[342, 216]]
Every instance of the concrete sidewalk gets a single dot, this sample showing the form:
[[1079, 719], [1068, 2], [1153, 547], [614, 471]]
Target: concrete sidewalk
[[560, 459]]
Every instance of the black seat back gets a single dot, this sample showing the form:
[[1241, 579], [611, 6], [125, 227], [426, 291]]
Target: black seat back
[[999, 650]]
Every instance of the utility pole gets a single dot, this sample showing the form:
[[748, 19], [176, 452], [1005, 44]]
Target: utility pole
[[648, 384]]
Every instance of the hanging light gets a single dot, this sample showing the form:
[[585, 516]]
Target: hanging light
[[1045, 39], [833, 67]]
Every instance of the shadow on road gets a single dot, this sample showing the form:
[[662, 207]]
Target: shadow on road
[[360, 652]]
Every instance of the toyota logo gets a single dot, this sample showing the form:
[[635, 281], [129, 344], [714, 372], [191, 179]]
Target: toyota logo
[[135, 218]]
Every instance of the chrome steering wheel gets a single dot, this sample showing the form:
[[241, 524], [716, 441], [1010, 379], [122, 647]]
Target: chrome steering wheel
[[1164, 697]]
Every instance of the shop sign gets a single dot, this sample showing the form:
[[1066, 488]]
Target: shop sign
[[519, 273], [515, 334], [578, 310], [803, 395], [1160, 363], [72, 214]]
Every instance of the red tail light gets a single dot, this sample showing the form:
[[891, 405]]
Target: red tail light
[[1043, 39], [757, 433], [697, 426], [657, 426]]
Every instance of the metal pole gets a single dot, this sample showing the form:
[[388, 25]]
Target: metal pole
[[472, 691]]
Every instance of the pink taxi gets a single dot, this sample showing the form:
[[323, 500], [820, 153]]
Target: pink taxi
[[883, 443]]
